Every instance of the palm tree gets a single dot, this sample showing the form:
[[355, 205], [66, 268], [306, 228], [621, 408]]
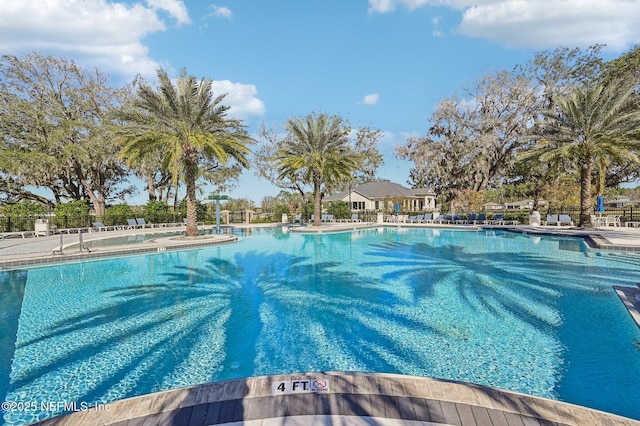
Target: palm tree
[[589, 127], [188, 126], [316, 152]]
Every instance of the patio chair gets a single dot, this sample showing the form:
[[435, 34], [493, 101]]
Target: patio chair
[[552, 219], [442, 219], [417, 219], [471, 218], [428, 218], [354, 218], [565, 219], [99, 227], [143, 224], [612, 220], [480, 219], [597, 221], [132, 224], [498, 219]]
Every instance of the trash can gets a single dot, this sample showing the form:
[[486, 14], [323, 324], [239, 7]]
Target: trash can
[[41, 227]]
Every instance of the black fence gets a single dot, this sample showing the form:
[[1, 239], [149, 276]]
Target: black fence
[[26, 223]]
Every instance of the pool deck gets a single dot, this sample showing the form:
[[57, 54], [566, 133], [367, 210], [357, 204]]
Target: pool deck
[[351, 398], [346, 399], [34, 251]]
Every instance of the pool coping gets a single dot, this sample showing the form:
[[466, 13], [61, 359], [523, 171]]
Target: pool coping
[[153, 246], [631, 299], [396, 397]]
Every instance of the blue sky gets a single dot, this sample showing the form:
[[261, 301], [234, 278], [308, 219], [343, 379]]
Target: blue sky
[[379, 63]]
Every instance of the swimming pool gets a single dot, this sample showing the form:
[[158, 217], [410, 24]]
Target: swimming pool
[[531, 314]]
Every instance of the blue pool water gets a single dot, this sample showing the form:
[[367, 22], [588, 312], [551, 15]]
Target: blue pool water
[[530, 314]]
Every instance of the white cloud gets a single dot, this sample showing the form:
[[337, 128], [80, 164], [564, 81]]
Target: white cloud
[[176, 8], [551, 23], [221, 11], [371, 99], [539, 23], [240, 97], [97, 32]]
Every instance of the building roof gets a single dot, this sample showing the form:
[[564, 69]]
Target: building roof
[[382, 189]]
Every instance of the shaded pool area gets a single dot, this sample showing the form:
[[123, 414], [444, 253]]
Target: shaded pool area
[[532, 314]]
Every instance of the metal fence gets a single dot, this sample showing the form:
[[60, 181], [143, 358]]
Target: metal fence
[[26, 223]]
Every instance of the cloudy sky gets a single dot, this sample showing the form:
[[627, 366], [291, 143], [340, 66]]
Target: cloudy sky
[[379, 63]]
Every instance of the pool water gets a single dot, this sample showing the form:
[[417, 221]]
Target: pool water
[[531, 314]]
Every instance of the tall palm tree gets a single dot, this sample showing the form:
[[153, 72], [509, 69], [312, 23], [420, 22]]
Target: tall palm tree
[[188, 126], [316, 152], [589, 127]]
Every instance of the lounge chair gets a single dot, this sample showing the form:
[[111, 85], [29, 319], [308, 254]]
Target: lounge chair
[[412, 219], [143, 224], [99, 227], [22, 234], [552, 219], [298, 218], [471, 218], [428, 218], [480, 219], [565, 219], [132, 224], [417, 219], [497, 219], [443, 219], [354, 218]]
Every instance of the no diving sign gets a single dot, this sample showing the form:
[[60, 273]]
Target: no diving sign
[[299, 386]]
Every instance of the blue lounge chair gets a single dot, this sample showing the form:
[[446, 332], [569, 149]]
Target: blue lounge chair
[[497, 219]]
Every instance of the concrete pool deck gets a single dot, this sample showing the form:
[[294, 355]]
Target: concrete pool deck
[[352, 398], [342, 399]]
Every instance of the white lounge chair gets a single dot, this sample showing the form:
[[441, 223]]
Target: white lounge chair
[[99, 227], [565, 219], [143, 223], [552, 219]]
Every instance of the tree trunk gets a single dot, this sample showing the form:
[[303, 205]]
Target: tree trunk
[[585, 194], [190, 178], [317, 199], [151, 188]]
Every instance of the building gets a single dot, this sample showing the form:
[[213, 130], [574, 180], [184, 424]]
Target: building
[[525, 205], [383, 195]]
